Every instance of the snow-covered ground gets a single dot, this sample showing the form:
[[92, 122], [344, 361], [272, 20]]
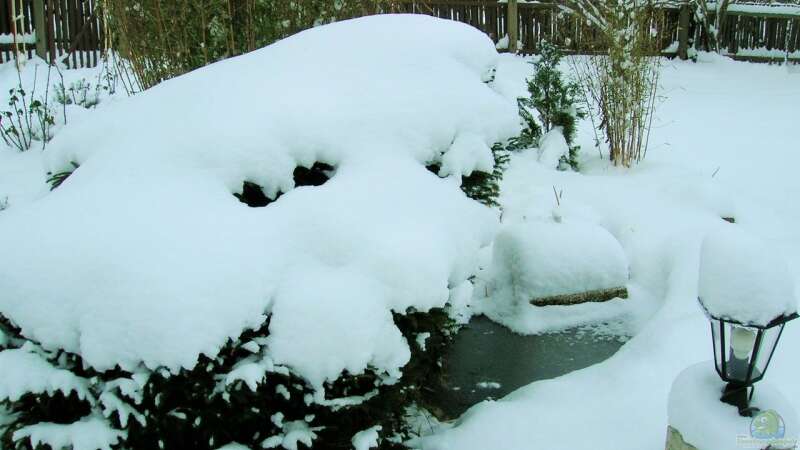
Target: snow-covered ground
[[726, 143]]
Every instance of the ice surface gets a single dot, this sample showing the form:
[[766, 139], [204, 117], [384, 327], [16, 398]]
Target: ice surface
[[154, 261], [742, 278]]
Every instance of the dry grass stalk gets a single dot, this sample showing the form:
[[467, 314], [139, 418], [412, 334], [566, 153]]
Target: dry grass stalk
[[621, 86]]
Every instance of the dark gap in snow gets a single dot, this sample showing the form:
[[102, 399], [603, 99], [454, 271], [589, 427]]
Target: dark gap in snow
[[56, 179], [318, 174], [253, 196]]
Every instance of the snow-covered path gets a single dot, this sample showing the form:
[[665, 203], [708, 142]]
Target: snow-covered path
[[725, 142]]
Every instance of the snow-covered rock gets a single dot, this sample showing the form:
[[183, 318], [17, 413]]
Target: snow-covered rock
[[541, 258], [742, 279], [695, 410], [144, 255]]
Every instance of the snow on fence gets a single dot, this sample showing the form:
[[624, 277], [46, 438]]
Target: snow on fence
[[69, 30], [762, 31]]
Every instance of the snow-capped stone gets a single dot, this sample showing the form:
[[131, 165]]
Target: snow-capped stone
[[541, 258]]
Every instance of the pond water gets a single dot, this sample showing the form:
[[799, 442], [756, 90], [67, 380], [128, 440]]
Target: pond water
[[488, 361]]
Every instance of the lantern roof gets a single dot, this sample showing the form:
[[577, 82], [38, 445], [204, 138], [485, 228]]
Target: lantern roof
[[743, 281]]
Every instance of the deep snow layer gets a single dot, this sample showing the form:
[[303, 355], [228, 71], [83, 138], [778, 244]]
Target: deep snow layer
[[725, 144], [145, 256]]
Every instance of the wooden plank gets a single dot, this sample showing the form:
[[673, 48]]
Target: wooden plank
[[58, 34], [51, 36], [73, 30], [41, 28], [513, 26]]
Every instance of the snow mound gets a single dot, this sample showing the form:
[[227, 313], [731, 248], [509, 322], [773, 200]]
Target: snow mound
[[552, 146], [143, 255], [545, 258], [695, 410], [742, 279]]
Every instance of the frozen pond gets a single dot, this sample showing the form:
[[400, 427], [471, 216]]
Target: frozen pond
[[488, 361]]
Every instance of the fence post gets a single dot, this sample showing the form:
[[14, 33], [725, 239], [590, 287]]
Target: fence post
[[683, 33], [512, 22], [41, 29]]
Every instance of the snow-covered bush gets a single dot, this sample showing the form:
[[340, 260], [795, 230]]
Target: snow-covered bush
[[78, 93], [238, 396], [27, 119], [164, 312]]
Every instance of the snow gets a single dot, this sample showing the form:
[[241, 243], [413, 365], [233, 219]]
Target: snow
[[22, 38], [27, 372], [547, 258], [763, 52], [660, 212], [422, 341], [91, 433], [234, 446], [742, 279], [171, 265], [695, 410], [761, 8], [294, 433], [152, 197], [367, 439], [552, 146], [545, 249]]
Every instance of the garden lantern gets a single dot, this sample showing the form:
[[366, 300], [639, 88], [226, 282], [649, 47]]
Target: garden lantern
[[748, 294], [742, 353]]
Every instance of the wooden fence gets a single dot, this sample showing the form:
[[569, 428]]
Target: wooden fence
[[536, 22], [67, 29], [749, 32], [71, 29], [759, 34]]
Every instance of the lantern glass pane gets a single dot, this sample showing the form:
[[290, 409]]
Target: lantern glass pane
[[740, 343], [768, 343], [715, 334]]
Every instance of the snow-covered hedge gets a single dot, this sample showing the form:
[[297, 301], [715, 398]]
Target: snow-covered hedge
[[184, 313]]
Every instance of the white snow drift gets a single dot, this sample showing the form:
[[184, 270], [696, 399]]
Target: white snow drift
[[145, 256]]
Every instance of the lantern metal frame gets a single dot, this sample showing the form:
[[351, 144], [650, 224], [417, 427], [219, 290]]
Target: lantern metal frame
[[739, 391]]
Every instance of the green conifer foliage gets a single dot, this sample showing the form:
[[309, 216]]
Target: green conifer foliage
[[554, 98], [206, 407]]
